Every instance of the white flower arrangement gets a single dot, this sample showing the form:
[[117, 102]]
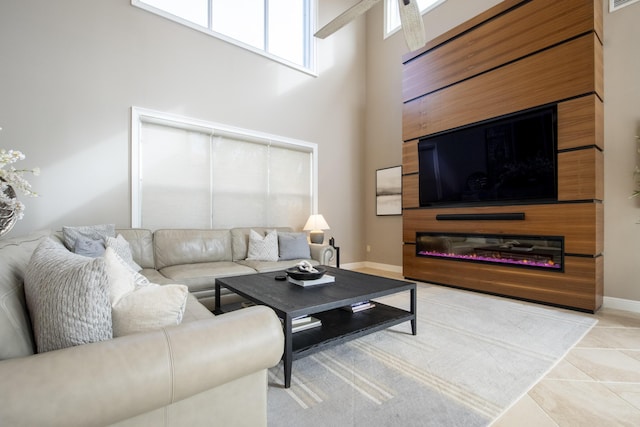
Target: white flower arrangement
[[12, 177]]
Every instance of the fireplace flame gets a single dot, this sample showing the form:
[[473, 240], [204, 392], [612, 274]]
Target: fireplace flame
[[496, 258]]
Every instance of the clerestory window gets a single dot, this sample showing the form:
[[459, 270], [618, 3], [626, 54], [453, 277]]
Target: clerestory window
[[278, 29], [392, 14]]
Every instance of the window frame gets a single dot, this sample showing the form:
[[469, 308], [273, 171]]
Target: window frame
[[308, 39]]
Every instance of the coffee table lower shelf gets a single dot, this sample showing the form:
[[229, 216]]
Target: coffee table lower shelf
[[339, 326]]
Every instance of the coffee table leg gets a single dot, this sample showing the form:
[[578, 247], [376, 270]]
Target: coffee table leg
[[288, 351], [217, 307], [414, 330]]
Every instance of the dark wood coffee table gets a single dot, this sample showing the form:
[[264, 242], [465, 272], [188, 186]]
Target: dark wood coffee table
[[324, 302]]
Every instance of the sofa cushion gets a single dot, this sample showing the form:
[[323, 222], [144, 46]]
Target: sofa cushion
[[141, 245], [121, 246], [240, 239], [178, 246], [154, 276], [67, 296], [263, 247], [94, 232], [15, 326], [203, 275], [194, 310], [293, 246]]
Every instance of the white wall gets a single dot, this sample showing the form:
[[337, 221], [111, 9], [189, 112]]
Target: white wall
[[622, 123], [70, 70]]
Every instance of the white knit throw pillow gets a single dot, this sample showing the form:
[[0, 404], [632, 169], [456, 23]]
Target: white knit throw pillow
[[263, 248], [67, 296], [137, 305], [123, 249]]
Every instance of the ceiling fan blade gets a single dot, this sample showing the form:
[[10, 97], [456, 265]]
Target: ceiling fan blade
[[412, 24], [344, 18]]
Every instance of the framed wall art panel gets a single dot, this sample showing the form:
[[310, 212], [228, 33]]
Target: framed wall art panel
[[389, 191]]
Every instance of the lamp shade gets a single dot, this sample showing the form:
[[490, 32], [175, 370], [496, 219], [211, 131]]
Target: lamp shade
[[316, 223]]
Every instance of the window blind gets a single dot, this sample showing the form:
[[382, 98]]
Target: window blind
[[207, 178]]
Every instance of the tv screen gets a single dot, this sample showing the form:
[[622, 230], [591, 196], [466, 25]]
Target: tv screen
[[507, 160]]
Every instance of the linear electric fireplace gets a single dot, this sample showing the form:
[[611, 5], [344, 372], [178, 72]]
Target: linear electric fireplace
[[543, 252]]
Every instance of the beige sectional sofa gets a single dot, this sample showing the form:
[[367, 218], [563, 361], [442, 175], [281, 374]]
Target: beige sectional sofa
[[195, 257], [208, 370]]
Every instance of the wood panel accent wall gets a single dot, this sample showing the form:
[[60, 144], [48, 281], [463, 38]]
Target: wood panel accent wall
[[547, 77], [518, 55]]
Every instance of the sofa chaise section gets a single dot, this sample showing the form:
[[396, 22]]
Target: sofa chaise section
[[200, 372]]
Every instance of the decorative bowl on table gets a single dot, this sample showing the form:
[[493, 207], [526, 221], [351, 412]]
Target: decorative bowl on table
[[297, 274]]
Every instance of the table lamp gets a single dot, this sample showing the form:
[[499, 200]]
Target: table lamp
[[315, 225]]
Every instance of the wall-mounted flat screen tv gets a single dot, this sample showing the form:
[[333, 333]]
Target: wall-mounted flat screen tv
[[508, 160]]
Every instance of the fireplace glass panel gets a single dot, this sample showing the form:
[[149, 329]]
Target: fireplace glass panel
[[543, 252]]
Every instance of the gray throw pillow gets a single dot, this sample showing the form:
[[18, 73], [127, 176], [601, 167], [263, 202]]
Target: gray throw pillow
[[95, 232], [67, 296], [88, 247], [293, 246]]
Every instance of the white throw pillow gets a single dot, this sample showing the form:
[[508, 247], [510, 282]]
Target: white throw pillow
[[263, 248], [136, 304], [123, 249], [67, 296], [148, 308], [122, 278]]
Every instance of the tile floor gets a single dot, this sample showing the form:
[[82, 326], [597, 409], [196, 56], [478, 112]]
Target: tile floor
[[596, 384]]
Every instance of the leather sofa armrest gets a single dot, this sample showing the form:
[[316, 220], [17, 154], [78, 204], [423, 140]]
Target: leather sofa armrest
[[324, 254], [110, 381]]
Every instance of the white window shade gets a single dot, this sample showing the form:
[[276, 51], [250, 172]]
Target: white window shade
[[194, 174], [259, 184], [175, 187], [240, 190], [290, 187]]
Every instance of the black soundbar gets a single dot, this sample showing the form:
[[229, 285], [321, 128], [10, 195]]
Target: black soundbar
[[511, 216]]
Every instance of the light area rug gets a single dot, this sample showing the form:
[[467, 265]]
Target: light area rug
[[473, 357]]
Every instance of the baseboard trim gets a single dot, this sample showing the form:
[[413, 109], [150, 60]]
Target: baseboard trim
[[621, 304], [353, 265], [374, 265]]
